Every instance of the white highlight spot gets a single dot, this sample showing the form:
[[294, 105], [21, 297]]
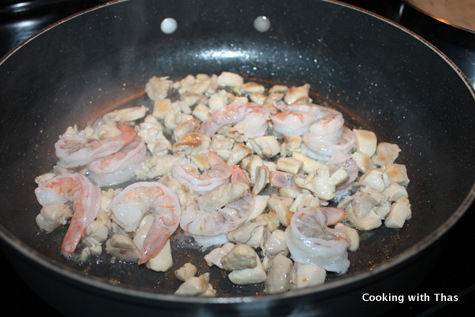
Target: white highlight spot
[[168, 25], [262, 24]]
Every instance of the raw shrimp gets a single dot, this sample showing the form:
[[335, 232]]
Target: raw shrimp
[[328, 135], [283, 179], [73, 150], [120, 166], [131, 204], [254, 125], [296, 118], [311, 241], [221, 219], [187, 172], [86, 199]]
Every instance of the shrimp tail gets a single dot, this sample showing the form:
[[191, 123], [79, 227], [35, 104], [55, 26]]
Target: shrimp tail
[[72, 238], [153, 244]]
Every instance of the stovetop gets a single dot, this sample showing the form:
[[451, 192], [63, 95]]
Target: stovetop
[[451, 275]]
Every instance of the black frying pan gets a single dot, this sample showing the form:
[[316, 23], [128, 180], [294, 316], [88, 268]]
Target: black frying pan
[[380, 76]]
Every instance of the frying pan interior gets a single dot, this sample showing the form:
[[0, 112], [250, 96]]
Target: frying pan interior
[[380, 76]]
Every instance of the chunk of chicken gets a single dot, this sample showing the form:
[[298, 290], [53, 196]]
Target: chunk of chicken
[[281, 207], [185, 272], [265, 146], [122, 248], [157, 87], [156, 166], [396, 173], [400, 212], [250, 233], [375, 179], [250, 275], [308, 275], [216, 255], [196, 286], [127, 114], [386, 153], [52, 216], [365, 141], [279, 277], [275, 244], [240, 257]]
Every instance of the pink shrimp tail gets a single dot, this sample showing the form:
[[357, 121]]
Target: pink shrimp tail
[[238, 176], [72, 238], [153, 244]]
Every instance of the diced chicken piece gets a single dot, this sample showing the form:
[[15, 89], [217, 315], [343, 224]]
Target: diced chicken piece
[[375, 179], [280, 275], [151, 131], [162, 107], [386, 153], [238, 153], [309, 165], [249, 276], [230, 80], [221, 196], [246, 232], [360, 210], [122, 248], [291, 143], [191, 144], [240, 257], [222, 146], [258, 98], [185, 272], [262, 179], [363, 161], [219, 100], [196, 85], [365, 141], [304, 200], [260, 205], [400, 212], [216, 255], [97, 231], [52, 216], [351, 234], [396, 173], [106, 198], [195, 286], [297, 94], [252, 87], [163, 261], [278, 88], [289, 164], [395, 191], [281, 207], [250, 164], [158, 87], [156, 166], [272, 219], [127, 114], [266, 146], [187, 127], [308, 275], [383, 206], [174, 118], [275, 244], [322, 185], [201, 112]]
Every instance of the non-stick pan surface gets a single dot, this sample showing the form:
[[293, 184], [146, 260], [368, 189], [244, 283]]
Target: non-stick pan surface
[[380, 76]]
